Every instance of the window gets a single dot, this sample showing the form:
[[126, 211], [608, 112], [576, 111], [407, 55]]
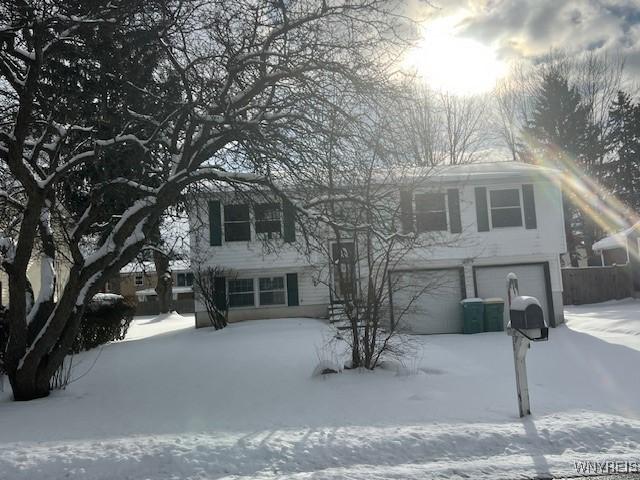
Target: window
[[505, 208], [272, 291], [268, 220], [431, 212], [185, 279], [241, 293], [138, 280], [237, 226]]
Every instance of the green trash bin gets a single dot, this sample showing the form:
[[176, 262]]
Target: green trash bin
[[493, 315], [473, 315]]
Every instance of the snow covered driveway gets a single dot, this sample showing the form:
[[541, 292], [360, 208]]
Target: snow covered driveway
[[174, 403]]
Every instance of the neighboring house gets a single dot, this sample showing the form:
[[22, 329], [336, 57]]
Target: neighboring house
[[492, 219], [62, 268], [619, 248], [138, 280], [622, 248]]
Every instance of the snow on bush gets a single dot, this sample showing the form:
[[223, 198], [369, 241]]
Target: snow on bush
[[106, 319], [102, 299]]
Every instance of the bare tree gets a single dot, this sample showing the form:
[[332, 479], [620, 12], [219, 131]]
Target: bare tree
[[365, 232], [442, 128], [419, 114], [210, 288], [465, 134], [233, 100], [510, 115]]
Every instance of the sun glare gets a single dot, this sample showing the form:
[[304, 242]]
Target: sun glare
[[454, 64]]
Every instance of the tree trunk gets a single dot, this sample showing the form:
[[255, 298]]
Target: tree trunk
[[164, 282], [30, 371], [164, 285], [572, 243]]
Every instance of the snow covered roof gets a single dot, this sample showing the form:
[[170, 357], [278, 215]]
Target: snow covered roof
[[147, 292], [617, 240], [480, 171], [149, 267], [486, 171]]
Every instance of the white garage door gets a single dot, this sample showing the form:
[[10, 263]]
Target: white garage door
[[492, 282], [429, 301]]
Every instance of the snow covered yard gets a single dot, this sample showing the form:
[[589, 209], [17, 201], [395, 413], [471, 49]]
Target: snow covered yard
[[172, 403]]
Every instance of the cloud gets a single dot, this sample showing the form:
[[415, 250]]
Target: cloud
[[528, 29]]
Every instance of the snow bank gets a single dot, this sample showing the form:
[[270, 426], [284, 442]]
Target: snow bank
[[174, 402], [615, 321]]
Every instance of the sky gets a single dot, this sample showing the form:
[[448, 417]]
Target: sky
[[487, 35]]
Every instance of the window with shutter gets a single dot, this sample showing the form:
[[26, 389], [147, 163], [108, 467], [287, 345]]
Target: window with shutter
[[237, 224], [271, 291], [431, 212], [506, 208], [241, 293], [268, 221]]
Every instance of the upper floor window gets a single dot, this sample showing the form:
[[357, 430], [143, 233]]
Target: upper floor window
[[431, 212], [506, 209], [138, 280], [268, 220], [185, 279], [237, 224]]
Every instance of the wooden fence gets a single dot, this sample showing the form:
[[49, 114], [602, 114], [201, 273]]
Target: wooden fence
[[596, 284]]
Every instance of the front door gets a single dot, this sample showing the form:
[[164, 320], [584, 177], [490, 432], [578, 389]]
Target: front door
[[344, 278]]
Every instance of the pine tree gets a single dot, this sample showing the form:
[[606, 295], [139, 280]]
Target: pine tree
[[623, 172], [561, 135]]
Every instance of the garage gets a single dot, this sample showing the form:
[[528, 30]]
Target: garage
[[532, 281], [428, 301]]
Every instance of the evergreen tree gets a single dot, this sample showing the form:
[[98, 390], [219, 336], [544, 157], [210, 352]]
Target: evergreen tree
[[561, 135], [622, 175]]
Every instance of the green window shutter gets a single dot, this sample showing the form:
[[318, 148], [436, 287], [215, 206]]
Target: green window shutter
[[529, 204], [292, 290], [215, 224], [406, 210], [482, 212], [220, 293], [453, 197], [289, 221]]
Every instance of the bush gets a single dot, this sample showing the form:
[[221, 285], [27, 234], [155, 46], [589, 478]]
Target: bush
[[106, 319]]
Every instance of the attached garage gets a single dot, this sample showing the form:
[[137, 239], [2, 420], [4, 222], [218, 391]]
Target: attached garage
[[428, 301], [533, 280]]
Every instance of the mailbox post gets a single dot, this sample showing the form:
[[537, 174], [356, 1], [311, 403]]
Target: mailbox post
[[526, 324]]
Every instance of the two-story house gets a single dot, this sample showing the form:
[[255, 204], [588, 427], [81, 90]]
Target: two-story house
[[491, 218]]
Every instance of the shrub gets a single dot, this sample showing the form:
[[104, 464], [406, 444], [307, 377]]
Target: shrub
[[106, 319]]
